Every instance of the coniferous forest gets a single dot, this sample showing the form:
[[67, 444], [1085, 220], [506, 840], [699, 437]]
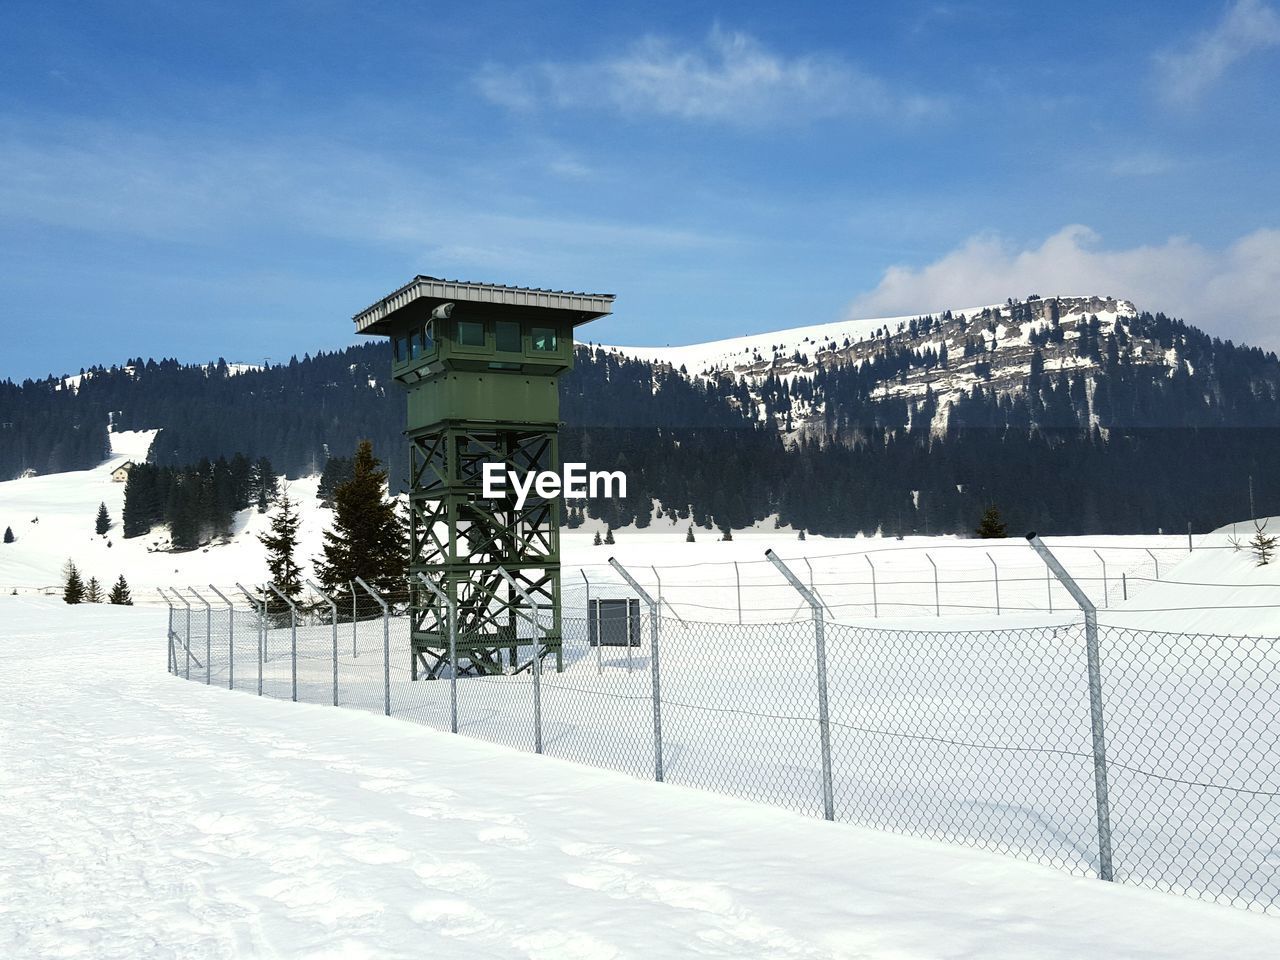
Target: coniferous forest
[[1123, 447]]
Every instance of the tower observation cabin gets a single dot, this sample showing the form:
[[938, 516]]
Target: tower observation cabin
[[481, 364]]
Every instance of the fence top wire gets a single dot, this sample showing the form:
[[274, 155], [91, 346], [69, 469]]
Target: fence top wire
[[1010, 543]]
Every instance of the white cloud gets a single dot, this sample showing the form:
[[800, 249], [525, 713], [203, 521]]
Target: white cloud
[[731, 78], [1247, 27], [1232, 293]]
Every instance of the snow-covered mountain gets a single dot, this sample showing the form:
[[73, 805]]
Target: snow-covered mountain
[[946, 353], [757, 355]]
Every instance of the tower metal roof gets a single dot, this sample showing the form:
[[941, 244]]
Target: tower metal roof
[[584, 306]]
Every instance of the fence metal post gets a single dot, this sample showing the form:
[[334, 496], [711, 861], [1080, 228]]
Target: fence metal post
[[293, 640], [208, 636], [813, 588], [996, 568], [658, 578], [386, 646], [451, 609], [264, 626], [1048, 583], [1105, 585], [333, 611], [231, 637], [937, 597], [655, 670], [875, 596], [536, 666], [1155, 560], [187, 640], [1124, 584], [590, 623], [824, 718], [173, 654], [1191, 547], [1095, 702], [737, 576], [262, 618], [355, 622]]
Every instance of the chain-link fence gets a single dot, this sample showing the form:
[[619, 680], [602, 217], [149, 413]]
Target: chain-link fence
[[987, 738], [960, 578]]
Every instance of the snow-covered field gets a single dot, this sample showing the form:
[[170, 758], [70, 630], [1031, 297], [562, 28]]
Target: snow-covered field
[[143, 816], [53, 516]]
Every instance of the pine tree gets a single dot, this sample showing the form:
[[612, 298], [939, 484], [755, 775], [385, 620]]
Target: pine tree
[[103, 523], [93, 593], [689, 538], [337, 471], [728, 535], [992, 527], [1263, 544], [800, 535], [8, 535], [73, 586], [264, 479], [281, 543], [119, 594], [608, 537], [368, 537], [596, 541]]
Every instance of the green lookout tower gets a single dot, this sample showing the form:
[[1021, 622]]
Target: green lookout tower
[[481, 364]]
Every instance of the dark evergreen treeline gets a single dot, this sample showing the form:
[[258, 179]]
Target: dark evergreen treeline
[[1133, 442], [198, 503], [44, 427]]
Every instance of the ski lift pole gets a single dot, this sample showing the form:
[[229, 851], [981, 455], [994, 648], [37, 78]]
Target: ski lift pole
[[536, 665], [451, 611], [386, 646], [293, 641]]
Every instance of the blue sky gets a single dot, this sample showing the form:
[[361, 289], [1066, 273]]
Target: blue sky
[[202, 180]]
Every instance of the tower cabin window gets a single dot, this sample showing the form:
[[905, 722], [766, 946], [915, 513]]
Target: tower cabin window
[[545, 339], [470, 333], [507, 334]]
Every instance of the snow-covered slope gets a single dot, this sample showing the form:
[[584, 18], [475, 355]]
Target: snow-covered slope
[[1217, 589], [147, 817], [53, 521], [748, 353]]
